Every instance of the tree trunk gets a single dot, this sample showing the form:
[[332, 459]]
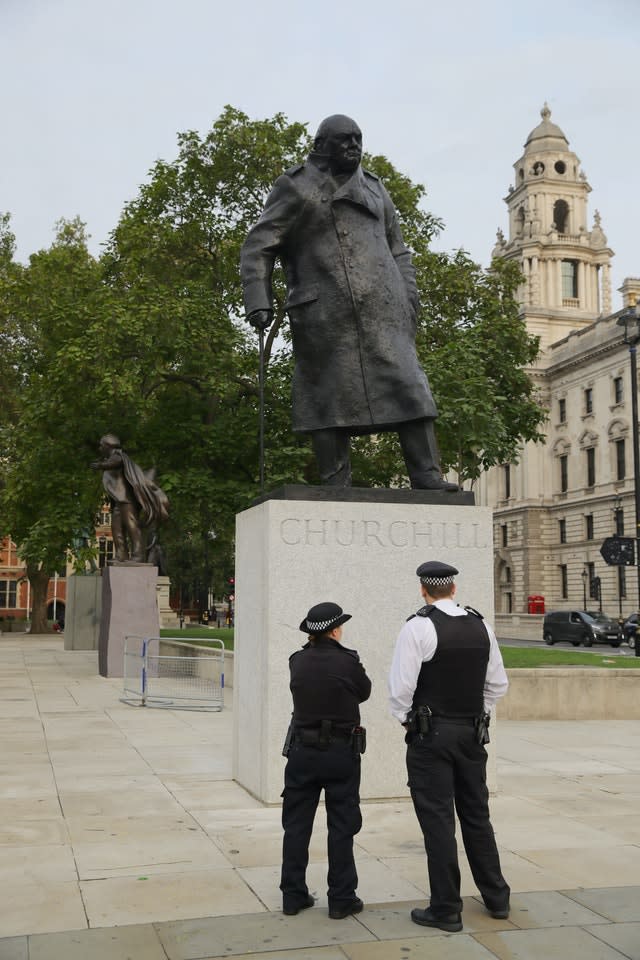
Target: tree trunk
[[39, 580]]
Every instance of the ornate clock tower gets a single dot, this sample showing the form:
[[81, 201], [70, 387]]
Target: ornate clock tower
[[566, 266]]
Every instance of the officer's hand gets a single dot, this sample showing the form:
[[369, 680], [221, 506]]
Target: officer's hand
[[260, 319]]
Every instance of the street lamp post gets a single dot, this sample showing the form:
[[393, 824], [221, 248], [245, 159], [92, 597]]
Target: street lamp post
[[617, 532], [630, 321], [585, 577]]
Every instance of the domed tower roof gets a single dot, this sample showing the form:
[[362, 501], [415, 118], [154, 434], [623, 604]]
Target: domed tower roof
[[546, 136]]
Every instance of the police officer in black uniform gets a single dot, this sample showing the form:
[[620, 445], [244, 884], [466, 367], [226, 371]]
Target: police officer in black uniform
[[446, 675], [323, 750]]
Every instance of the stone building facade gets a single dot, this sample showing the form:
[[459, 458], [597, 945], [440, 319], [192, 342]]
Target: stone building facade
[[554, 508]]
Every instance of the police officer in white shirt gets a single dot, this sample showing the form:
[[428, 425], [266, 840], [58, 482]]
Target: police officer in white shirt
[[446, 676]]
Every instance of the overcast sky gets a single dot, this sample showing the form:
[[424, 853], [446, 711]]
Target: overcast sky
[[96, 91]]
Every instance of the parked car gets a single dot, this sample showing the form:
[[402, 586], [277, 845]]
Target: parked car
[[580, 626], [630, 627]]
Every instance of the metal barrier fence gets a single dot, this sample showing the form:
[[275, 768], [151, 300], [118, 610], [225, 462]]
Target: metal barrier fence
[[158, 680]]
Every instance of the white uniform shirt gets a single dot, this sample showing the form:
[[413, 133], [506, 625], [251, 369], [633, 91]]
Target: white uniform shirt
[[417, 643]]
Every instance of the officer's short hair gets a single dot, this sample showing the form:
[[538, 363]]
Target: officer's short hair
[[439, 591], [437, 577]]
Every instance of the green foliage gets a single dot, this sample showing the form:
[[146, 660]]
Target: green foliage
[[476, 350], [46, 428], [172, 265]]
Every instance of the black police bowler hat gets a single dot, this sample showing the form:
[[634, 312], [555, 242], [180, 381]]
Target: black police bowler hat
[[435, 573], [324, 617]]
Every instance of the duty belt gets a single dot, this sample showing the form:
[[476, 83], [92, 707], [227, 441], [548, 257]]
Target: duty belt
[[322, 735], [443, 718]]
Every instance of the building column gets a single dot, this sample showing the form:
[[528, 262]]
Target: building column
[[526, 298], [606, 289], [594, 289], [557, 266], [583, 286], [535, 282]]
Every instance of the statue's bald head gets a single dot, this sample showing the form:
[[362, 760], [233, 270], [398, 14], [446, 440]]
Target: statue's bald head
[[339, 139]]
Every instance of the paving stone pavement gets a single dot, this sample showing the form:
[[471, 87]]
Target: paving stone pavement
[[124, 837]]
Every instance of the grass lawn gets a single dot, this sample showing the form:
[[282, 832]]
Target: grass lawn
[[545, 657], [200, 635]]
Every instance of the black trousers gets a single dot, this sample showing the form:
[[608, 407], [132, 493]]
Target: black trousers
[[309, 771], [419, 449], [449, 767]]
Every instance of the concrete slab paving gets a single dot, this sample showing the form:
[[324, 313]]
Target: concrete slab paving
[[556, 943], [377, 884], [21, 833], [46, 807], [149, 795], [94, 829], [37, 865], [548, 908], [211, 937], [14, 948], [442, 947], [136, 942], [393, 921], [622, 829], [41, 908], [148, 854], [145, 897], [624, 937], [619, 904], [96, 795], [307, 953], [602, 866]]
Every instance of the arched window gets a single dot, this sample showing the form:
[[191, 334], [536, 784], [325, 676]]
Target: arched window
[[520, 221], [561, 215]]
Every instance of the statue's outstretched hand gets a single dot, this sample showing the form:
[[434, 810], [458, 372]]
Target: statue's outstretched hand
[[260, 319]]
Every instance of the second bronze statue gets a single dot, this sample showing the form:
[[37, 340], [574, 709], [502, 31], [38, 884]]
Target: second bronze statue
[[352, 302], [137, 504]]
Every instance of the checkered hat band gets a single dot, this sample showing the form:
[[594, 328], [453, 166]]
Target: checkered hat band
[[320, 624], [436, 581]]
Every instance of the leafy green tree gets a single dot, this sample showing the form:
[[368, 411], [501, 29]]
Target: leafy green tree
[[172, 267], [478, 353], [46, 497]]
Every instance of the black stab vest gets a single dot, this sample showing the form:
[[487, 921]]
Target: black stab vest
[[452, 682]]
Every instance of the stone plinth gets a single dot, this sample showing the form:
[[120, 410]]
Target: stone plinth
[[82, 611], [168, 616], [292, 554], [129, 608]]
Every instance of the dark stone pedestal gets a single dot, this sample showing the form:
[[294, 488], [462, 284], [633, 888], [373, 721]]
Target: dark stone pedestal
[[301, 491], [82, 612], [129, 608]]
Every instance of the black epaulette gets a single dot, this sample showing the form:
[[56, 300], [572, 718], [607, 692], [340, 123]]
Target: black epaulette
[[352, 653], [425, 611], [475, 612], [293, 170], [369, 174]]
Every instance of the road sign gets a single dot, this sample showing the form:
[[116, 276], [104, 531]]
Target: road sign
[[619, 551]]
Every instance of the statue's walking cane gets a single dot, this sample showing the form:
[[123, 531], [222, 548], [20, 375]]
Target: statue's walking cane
[[261, 394]]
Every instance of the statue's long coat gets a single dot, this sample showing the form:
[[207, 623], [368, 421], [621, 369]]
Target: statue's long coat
[[351, 301]]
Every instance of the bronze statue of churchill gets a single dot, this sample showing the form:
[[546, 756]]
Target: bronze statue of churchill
[[352, 302]]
